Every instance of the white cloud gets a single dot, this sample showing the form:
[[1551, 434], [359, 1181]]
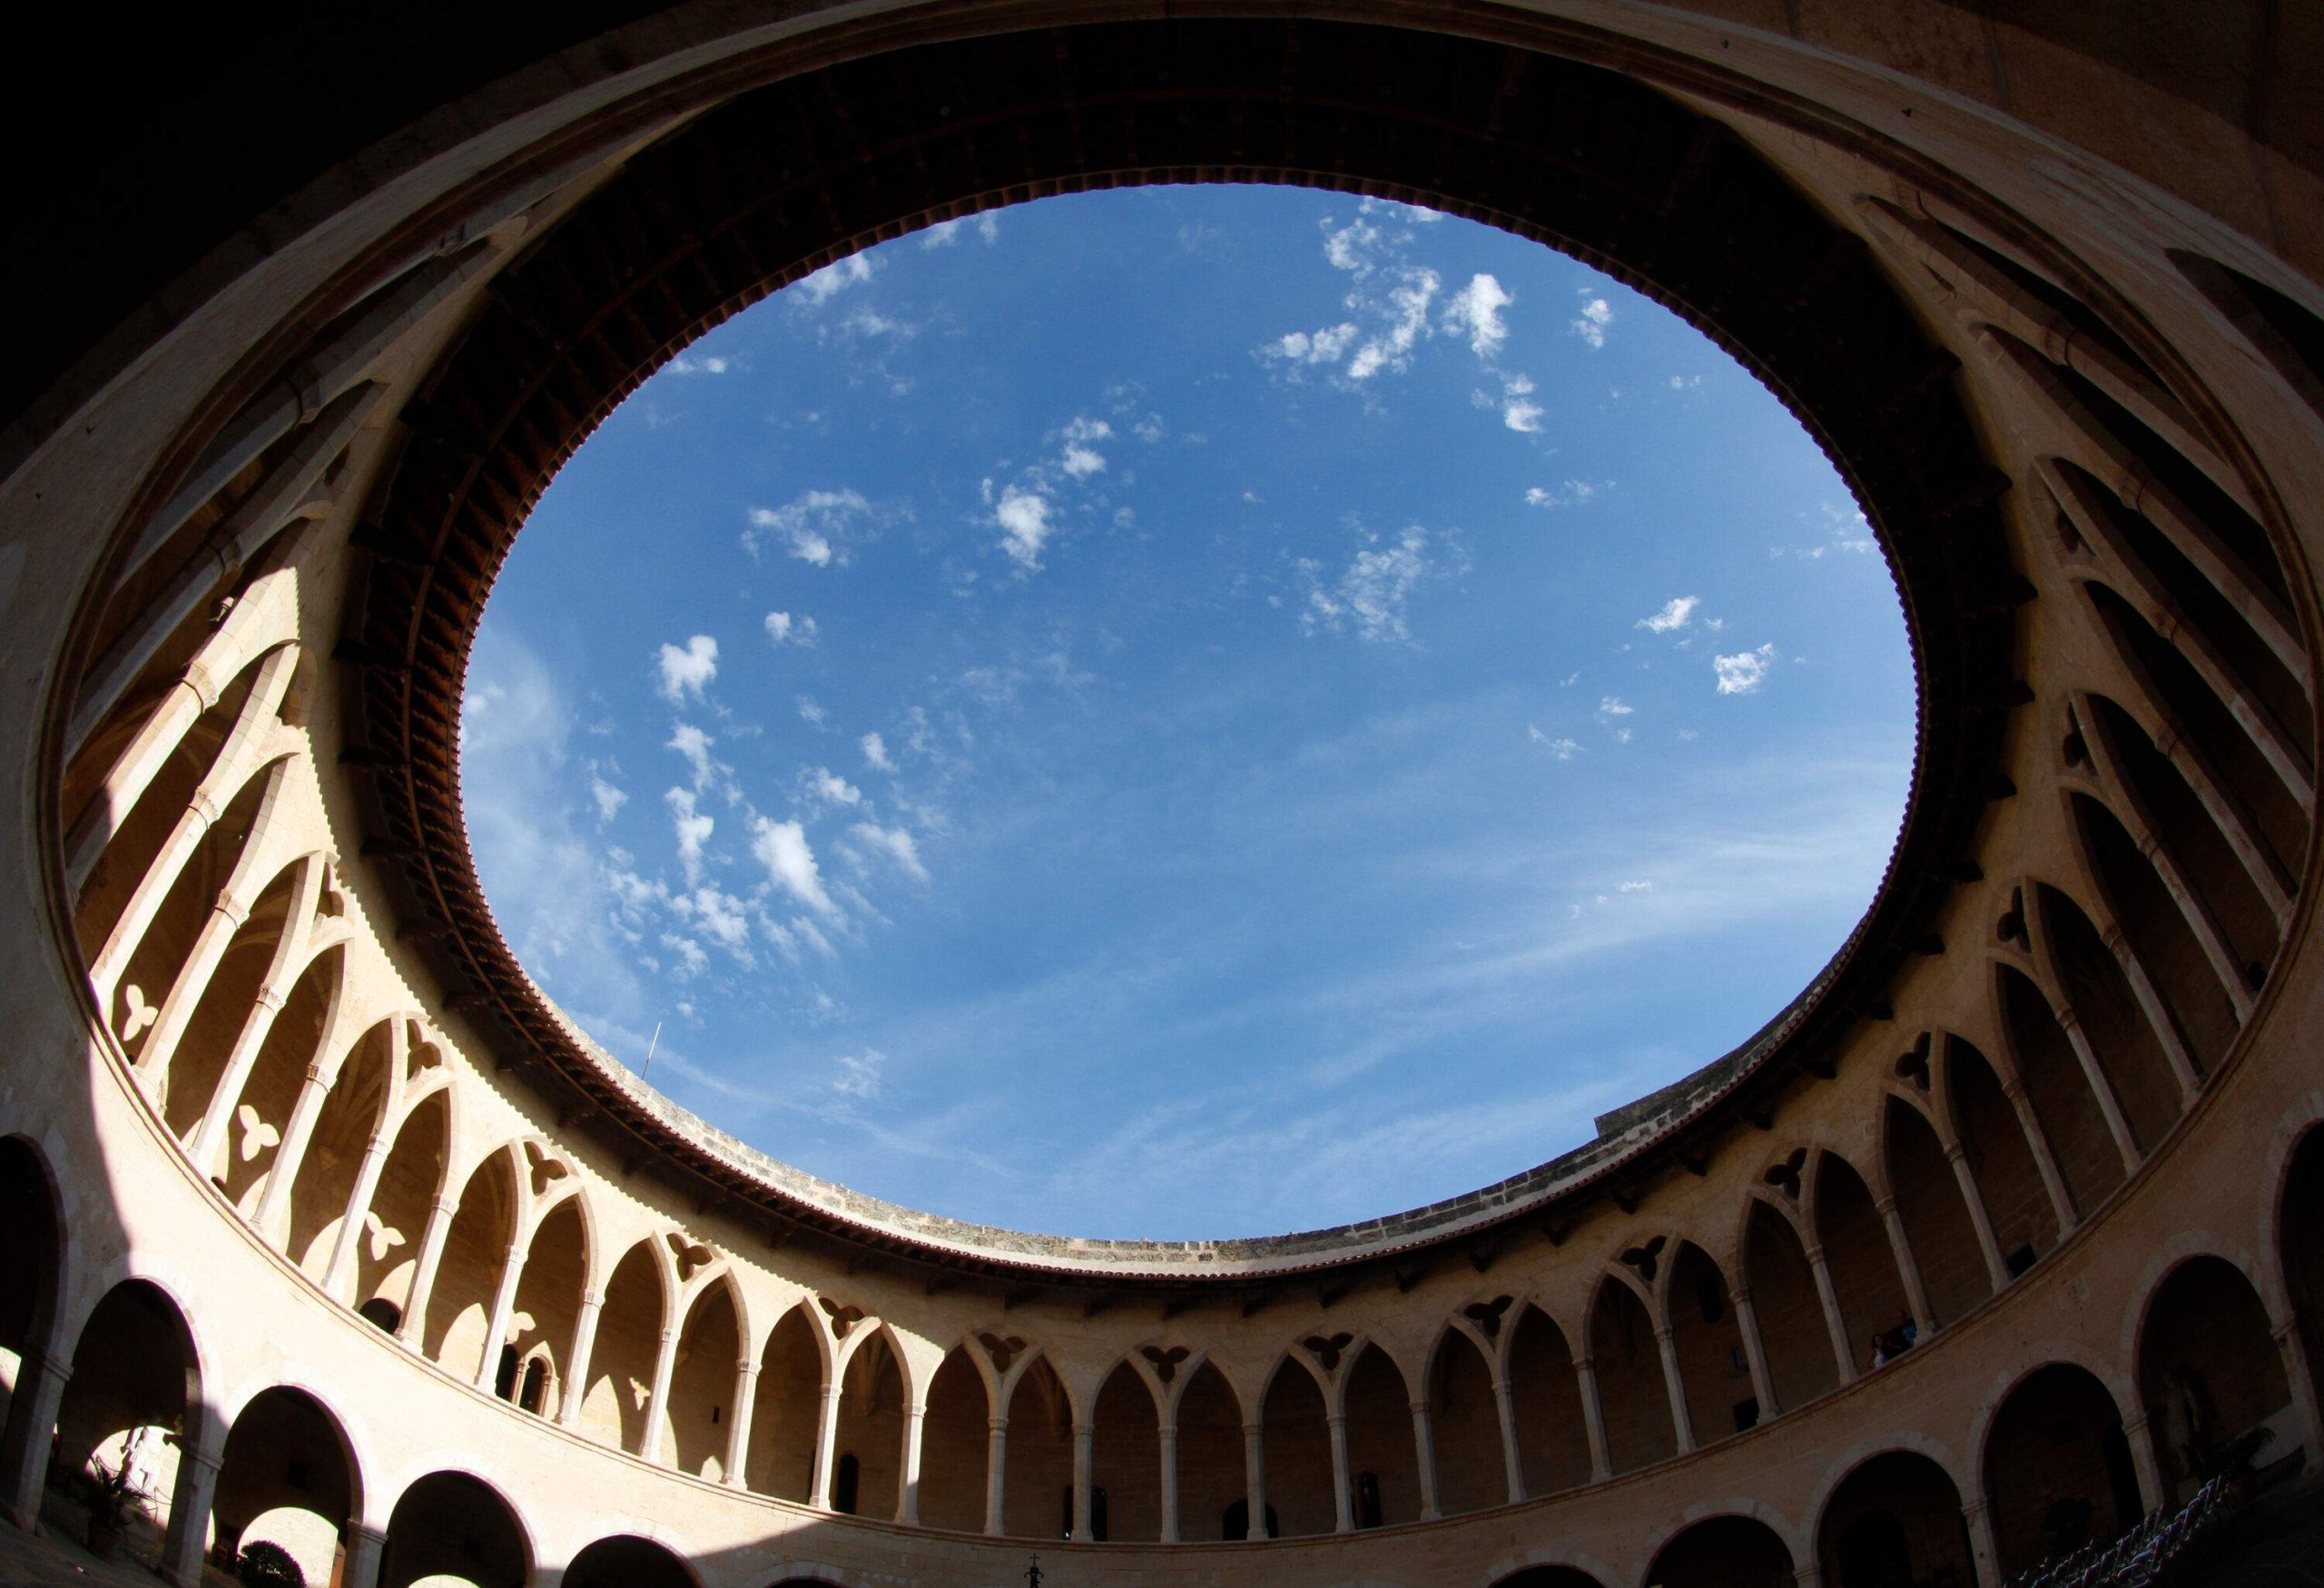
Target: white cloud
[[781, 847], [688, 670], [1519, 411], [722, 917], [694, 830], [1024, 519], [1675, 614], [1591, 324], [1372, 592], [1391, 349], [1476, 309], [810, 713], [1744, 672], [1320, 347], [1573, 493], [784, 629], [1685, 382], [709, 364], [818, 288], [816, 527], [875, 753], [1563, 749], [829, 786], [1635, 887], [1612, 707], [859, 1076], [693, 744], [894, 843], [692, 960], [609, 800]]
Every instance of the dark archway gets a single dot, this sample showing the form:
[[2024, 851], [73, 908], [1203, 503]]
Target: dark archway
[[1126, 1457], [1210, 1452], [1464, 1421], [2000, 1158], [1937, 1222], [1789, 1312], [1632, 1393], [1895, 1522], [954, 1446], [32, 1277], [288, 1478], [1723, 1552], [867, 1475], [627, 1560], [1872, 1308], [2209, 1370], [2299, 1235], [1378, 1407], [2058, 1471], [782, 1458], [1552, 1431], [2064, 1103], [1038, 1498], [1296, 1441], [1713, 1371], [450, 1524]]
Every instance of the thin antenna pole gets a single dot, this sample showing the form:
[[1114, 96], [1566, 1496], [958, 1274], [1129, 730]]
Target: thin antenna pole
[[650, 1049]]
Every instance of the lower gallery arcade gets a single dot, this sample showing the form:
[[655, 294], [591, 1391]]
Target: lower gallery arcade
[[2007, 1235]]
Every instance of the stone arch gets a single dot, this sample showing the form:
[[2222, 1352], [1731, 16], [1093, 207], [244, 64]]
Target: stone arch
[[1126, 1456], [787, 1408], [627, 1347], [455, 1524], [2055, 1465], [354, 1111], [478, 1248], [2294, 1238], [1211, 1476], [1784, 1302], [2001, 1157], [1464, 1424], [136, 1365], [1036, 1497], [874, 1391], [384, 1237], [955, 1444], [1723, 1551], [253, 1125], [1937, 1222], [2185, 974], [1296, 1436], [1632, 1392], [1552, 1439], [1377, 1402], [286, 1452], [1895, 1517], [34, 1245], [1713, 1371], [2127, 1048], [1862, 1264], [544, 1318], [698, 1415], [627, 1560], [2209, 1373], [2070, 1116]]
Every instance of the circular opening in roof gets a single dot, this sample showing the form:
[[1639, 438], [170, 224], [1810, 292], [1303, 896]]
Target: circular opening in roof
[[1187, 713]]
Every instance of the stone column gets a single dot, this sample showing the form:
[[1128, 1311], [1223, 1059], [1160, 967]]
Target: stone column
[[504, 1305], [1169, 1441], [31, 1420], [2100, 1087], [2302, 1382], [2038, 1142], [2158, 1018], [1593, 1418], [577, 1370], [1835, 1324], [1512, 1454], [342, 1272], [1084, 1460], [1985, 1549], [1909, 1267], [1425, 1454], [291, 1154], [1683, 1421], [996, 1472], [423, 1279], [657, 1401], [1255, 1479], [2153, 1492], [189, 1529], [1996, 1266], [366, 1553], [827, 1445], [209, 1136], [908, 1471], [1343, 1494], [1755, 1352], [738, 1425]]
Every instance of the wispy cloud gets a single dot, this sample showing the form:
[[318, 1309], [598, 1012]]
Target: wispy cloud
[[1591, 324], [1675, 614], [1373, 594], [875, 753], [893, 842], [834, 278], [783, 849], [1744, 672], [1573, 493], [1023, 517], [818, 528], [1476, 309], [784, 629]]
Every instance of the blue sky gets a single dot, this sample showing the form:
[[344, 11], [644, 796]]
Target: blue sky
[[1187, 712]]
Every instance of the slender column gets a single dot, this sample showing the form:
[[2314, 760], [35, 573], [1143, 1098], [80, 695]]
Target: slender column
[[1169, 1441], [292, 1155], [1512, 1454], [1342, 1496], [1084, 1461], [827, 1445], [31, 1420], [2303, 1382], [1683, 1421], [2158, 1019], [577, 1368], [145, 901], [189, 1529], [1996, 1266], [2038, 1142], [996, 1472], [228, 913], [496, 1332], [1425, 1453], [342, 1272], [1755, 1352], [2153, 1493], [366, 1552], [908, 1471], [1255, 1479], [1909, 1267], [210, 1135], [2101, 1088], [1593, 1418], [738, 1425], [1985, 1549], [1835, 1324], [657, 1403], [148, 753], [423, 1279]]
